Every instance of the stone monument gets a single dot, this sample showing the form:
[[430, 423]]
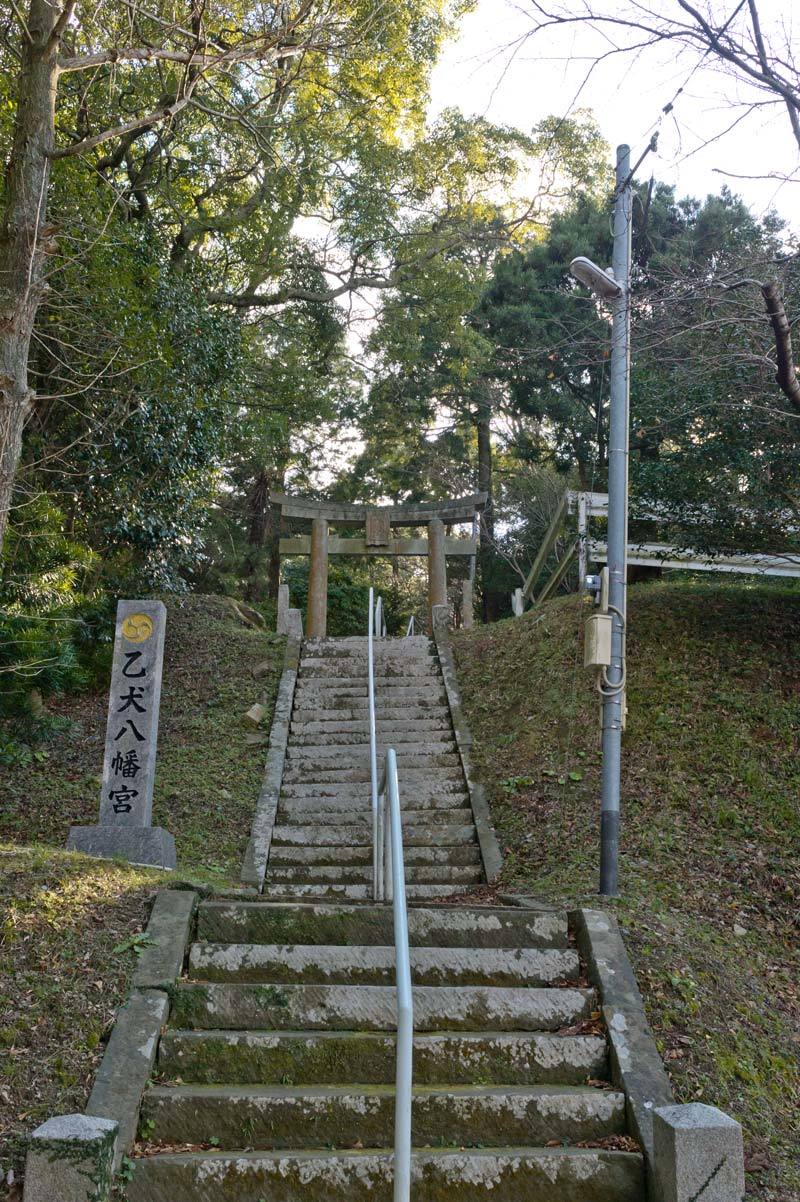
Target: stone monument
[[126, 797]]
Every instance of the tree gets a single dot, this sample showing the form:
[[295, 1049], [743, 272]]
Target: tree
[[712, 441]]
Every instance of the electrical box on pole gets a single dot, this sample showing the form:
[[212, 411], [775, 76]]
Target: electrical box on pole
[[597, 641]]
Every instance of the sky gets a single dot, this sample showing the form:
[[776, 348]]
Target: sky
[[494, 70]]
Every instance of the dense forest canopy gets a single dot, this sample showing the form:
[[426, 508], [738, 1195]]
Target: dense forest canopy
[[233, 244]]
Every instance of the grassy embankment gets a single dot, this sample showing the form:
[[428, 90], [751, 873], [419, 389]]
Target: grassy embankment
[[711, 825], [66, 921]]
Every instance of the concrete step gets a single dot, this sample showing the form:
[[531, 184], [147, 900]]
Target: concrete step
[[352, 763], [412, 789], [374, 1007], [392, 691], [313, 808], [340, 1057], [475, 1175], [414, 644], [433, 834], [361, 815], [439, 768], [356, 893], [319, 741], [390, 723], [242, 1116], [439, 750], [442, 926], [370, 964], [464, 854], [353, 874], [404, 667]]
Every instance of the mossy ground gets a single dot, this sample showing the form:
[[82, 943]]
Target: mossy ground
[[63, 914], [711, 825]]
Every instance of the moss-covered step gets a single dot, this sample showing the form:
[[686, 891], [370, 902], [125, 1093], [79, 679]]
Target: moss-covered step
[[374, 1007], [354, 893], [339, 1057], [444, 926], [440, 768], [352, 874], [283, 1116], [371, 964], [458, 854], [349, 814], [339, 734], [431, 833], [438, 1175]]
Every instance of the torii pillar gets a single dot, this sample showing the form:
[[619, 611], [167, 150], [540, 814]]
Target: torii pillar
[[317, 611], [437, 564]]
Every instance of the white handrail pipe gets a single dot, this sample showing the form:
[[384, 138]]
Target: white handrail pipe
[[405, 999], [373, 753]]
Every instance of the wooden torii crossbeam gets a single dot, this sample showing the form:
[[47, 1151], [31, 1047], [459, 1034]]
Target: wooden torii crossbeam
[[378, 523]]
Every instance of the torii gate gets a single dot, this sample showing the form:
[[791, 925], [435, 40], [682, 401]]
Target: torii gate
[[378, 540]]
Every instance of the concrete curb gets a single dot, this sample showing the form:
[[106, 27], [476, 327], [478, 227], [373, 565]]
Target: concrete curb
[[168, 933], [487, 839], [127, 1064], [130, 1054], [636, 1065], [256, 856]]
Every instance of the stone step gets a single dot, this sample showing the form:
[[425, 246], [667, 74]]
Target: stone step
[[403, 727], [467, 853], [445, 926], [411, 790], [439, 750], [356, 708], [374, 1007], [391, 691], [370, 964], [325, 809], [404, 667], [347, 644], [356, 893], [433, 834], [352, 764], [315, 742], [340, 1057], [242, 1116], [475, 1175], [361, 815], [352, 874], [323, 772]]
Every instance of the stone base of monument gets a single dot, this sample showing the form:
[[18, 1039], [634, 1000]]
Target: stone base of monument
[[148, 846]]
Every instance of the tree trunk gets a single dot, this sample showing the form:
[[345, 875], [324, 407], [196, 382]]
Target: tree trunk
[[23, 234], [263, 532], [492, 601]]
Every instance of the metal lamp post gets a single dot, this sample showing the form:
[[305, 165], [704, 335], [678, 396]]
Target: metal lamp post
[[615, 287]]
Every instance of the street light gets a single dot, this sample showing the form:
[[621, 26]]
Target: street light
[[602, 283], [614, 286]]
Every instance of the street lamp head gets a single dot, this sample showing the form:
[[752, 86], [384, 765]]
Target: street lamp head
[[602, 283]]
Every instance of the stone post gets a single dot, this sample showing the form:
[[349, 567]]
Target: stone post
[[283, 608], [70, 1159], [467, 605], [437, 567], [317, 614], [126, 797], [517, 604], [697, 1153]]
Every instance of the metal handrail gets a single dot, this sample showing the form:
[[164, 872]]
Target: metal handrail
[[377, 850], [394, 890], [411, 628], [389, 884]]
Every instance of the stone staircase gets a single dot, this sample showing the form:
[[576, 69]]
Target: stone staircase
[[322, 840], [275, 1077], [278, 1065]]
